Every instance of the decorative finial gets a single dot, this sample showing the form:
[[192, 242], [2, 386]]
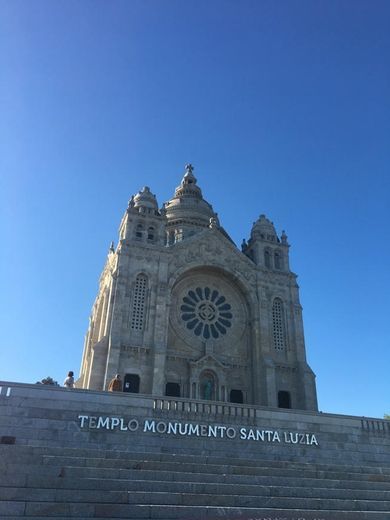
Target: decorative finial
[[189, 168], [112, 249], [284, 237]]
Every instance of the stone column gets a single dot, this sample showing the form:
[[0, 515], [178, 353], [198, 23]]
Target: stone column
[[114, 329], [161, 329], [98, 365], [271, 383], [309, 387], [260, 349]]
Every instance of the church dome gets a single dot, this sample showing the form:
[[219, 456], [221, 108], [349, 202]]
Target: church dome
[[187, 206], [264, 229], [145, 199]]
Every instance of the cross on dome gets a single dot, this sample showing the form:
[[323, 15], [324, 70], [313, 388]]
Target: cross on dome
[[189, 177]]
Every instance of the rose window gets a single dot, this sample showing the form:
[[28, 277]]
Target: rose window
[[206, 312]]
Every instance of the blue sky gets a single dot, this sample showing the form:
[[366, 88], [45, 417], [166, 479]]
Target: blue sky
[[283, 107]]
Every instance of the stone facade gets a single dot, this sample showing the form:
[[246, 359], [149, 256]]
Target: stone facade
[[182, 312]]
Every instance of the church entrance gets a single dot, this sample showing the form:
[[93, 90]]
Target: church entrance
[[131, 383]]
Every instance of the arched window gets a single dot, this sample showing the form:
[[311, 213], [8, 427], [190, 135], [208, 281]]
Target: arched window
[[178, 235], [278, 324], [277, 260], [236, 396], [172, 389], [284, 399], [208, 385], [267, 259], [139, 297], [151, 233], [139, 231], [131, 383]]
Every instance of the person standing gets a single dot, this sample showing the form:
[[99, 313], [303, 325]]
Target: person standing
[[69, 381], [115, 384]]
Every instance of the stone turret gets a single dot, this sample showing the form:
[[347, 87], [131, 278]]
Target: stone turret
[[145, 202], [142, 221], [265, 248]]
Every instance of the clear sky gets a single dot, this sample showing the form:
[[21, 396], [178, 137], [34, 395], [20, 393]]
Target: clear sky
[[283, 107]]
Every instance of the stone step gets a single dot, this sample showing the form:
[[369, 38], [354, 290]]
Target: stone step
[[10, 453], [61, 489], [188, 499], [83, 483], [47, 510], [64, 495], [34, 472], [148, 479], [257, 490], [367, 457], [192, 459], [280, 502], [332, 452], [186, 467]]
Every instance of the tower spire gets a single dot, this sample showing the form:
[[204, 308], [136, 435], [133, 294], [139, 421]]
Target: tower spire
[[189, 168]]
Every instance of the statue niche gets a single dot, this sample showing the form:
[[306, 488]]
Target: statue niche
[[208, 386]]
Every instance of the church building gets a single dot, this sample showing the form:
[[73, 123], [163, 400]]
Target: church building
[[181, 311]]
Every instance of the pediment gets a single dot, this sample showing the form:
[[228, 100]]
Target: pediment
[[207, 361], [211, 248]]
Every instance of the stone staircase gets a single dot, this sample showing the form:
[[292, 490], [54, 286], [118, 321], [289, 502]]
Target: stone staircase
[[54, 482], [51, 466]]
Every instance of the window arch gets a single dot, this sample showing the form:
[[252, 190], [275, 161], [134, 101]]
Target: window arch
[[151, 233], [267, 259], [139, 301], [278, 324], [139, 231], [278, 260]]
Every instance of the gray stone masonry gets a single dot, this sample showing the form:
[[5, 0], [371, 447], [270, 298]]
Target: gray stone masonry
[[180, 309], [88, 454]]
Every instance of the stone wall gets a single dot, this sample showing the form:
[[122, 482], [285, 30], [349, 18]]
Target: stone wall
[[42, 415]]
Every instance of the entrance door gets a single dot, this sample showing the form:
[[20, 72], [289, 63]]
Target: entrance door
[[284, 399], [172, 389], [236, 396], [131, 383]]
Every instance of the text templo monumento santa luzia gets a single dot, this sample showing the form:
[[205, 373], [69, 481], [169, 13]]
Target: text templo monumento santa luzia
[[196, 430]]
